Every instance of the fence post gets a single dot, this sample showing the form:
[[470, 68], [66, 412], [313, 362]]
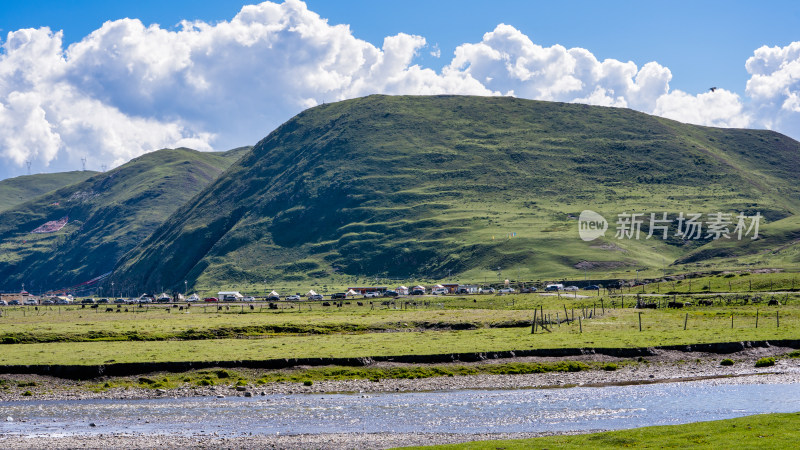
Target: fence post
[[580, 325], [640, 321], [685, 321], [756, 318], [533, 322]]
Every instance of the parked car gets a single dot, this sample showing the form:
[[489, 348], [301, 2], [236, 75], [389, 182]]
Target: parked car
[[571, 288], [146, 300], [102, 301], [48, 302], [552, 288], [417, 292], [316, 297], [508, 290], [338, 295], [372, 294], [211, 299], [273, 298], [528, 290], [486, 290], [87, 301], [119, 301], [249, 299], [293, 298], [14, 303], [3, 303], [31, 302], [390, 294], [592, 287], [63, 301], [440, 291]]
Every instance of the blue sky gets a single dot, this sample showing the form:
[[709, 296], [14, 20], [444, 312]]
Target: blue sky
[[695, 45]]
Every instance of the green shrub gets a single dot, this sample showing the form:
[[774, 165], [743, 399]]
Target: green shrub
[[765, 362], [26, 384], [205, 382], [27, 394], [223, 373], [145, 380], [10, 340], [726, 362], [308, 383], [610, 367], [794, 354]]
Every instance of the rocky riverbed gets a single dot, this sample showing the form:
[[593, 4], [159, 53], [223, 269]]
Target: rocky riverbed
[[664, 366]]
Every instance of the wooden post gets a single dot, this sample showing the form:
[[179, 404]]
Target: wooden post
[[602, 308], [566, 314], [533, 322], [777, 319], [580, 325], [731, 321], [685, 321], [573, 314], [541, 315], [558, 321], [640, 321], [756, 318]]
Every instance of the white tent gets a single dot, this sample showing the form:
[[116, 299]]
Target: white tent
[[193, 298], [402, 290], [310, 293], [164, 296], [273, 294], [419, 288], [351, 293], [438, 286]]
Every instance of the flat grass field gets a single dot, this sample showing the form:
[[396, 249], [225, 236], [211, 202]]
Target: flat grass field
[[435, 325], [764, 431]]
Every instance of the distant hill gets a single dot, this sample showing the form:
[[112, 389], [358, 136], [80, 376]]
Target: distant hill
[[106, 215], [18, 190], [465, 187]]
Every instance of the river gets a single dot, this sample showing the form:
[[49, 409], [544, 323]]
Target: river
[[573, 409]]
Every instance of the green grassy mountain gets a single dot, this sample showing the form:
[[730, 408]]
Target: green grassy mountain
[[467, 188], [107, 214], [18, 190]]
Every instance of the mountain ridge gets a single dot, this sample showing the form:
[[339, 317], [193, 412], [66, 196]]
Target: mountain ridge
[[433, 186]]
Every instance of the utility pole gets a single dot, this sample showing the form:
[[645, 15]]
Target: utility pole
[[83, 163], [28, 163]]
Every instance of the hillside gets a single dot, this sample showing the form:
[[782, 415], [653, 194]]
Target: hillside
[[106, 215], [467, 188], [18, 190]]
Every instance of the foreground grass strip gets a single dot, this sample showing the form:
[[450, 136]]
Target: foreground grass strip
[[761, 431], [367, 345]]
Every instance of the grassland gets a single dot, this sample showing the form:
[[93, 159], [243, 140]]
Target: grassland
[[433, 325], [767, 431], [18, 190]]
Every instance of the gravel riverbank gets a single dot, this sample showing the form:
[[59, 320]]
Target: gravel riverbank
[[666, 366]]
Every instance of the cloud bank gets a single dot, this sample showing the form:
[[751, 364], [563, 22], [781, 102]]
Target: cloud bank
[[127, 88]]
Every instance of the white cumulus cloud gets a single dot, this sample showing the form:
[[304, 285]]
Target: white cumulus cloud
[[128, 88]]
